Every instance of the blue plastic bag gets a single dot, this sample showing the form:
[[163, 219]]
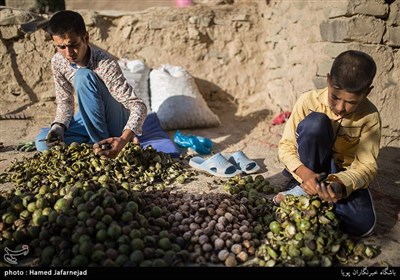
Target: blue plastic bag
[[200, 144]]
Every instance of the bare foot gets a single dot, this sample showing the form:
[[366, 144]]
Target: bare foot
[[278, 198]]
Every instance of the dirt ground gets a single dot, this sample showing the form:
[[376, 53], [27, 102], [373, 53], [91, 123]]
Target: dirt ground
[[253, 134]]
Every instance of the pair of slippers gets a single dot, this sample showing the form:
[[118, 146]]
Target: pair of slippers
[[228, 165]]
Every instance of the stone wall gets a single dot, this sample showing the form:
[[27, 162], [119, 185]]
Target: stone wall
[[257, 54], [21, 4], [127, 5], [305, 37], [372, 27]]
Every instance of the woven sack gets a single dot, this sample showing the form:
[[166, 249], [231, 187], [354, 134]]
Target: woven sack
[[137, 75], [177, 100]]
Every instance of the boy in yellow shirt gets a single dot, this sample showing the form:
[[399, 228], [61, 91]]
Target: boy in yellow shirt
[[336, 132]]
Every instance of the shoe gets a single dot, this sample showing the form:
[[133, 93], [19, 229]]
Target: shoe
[[296, 191], [242, 162], [216, 165]]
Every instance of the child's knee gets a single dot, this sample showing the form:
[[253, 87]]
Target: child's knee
[[318, 118], [315, 125], [82, 77]]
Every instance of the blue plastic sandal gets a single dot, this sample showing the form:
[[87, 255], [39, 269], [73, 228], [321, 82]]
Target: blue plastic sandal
[[242, 162], [216, 165]]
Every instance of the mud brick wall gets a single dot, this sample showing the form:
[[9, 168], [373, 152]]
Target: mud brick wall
[[258, 54]]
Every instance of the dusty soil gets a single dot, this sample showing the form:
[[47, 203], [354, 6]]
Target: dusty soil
[[254, 134]]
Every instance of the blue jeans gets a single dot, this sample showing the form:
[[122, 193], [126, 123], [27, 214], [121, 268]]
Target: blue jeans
[[100, 116], [315, 139]]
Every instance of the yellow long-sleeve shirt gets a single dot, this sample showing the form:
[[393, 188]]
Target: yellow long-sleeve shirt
[[356, 147]]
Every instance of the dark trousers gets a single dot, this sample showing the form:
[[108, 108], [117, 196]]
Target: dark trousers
[[315, 139]]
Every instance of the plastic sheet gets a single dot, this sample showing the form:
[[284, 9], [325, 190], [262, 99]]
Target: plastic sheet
[[197, 143]]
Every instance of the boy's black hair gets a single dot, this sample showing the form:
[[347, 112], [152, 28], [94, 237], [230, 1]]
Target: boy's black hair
[[353, 71], [64, 22]]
